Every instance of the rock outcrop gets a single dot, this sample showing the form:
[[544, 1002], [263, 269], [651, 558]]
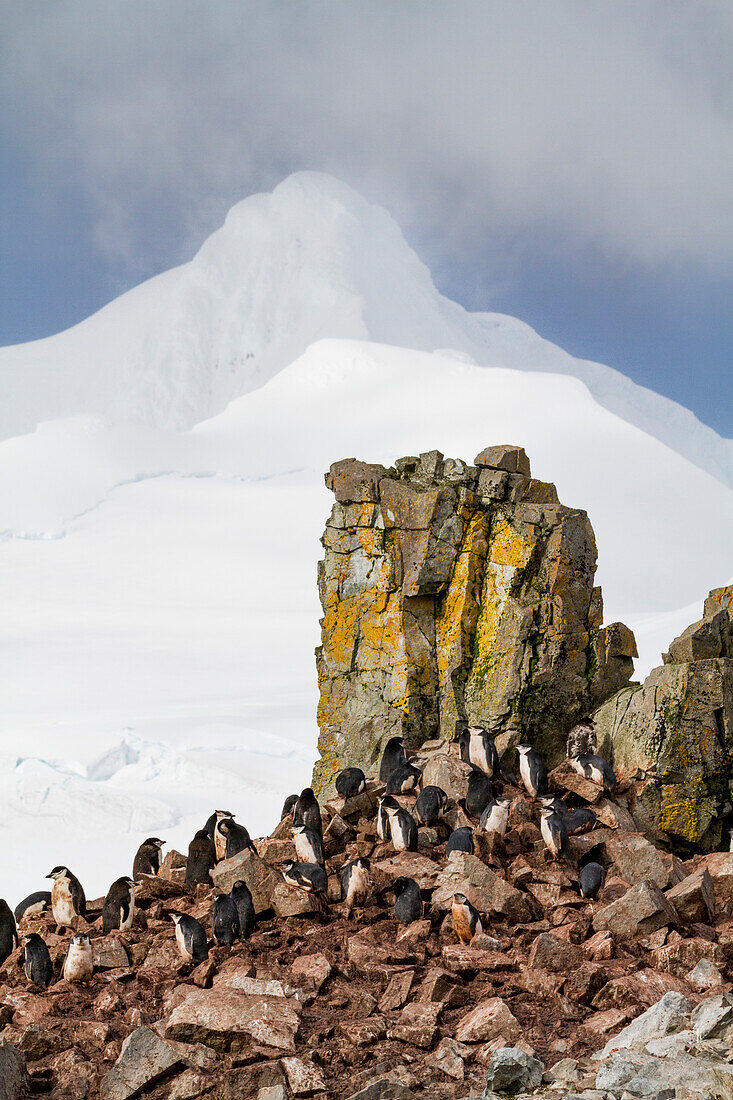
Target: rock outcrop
[[455, 593], [674, 734]]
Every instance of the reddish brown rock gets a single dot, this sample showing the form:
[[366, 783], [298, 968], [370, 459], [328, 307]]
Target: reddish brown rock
[[643, 987], [397, 991], [417, 1024], [549, 952], [304, 1077], [641, 910], [486, 890], [486, 1021], [635, 859], [231, 1021], [694, 897]]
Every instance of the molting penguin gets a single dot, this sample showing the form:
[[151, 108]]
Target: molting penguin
[[8, 931], [308, 812], [554, 833], [460, 840], [33, 905], [236, 837], [466, 919], [288, 806], [408, 900], [403, 779], [38, 965], [225, 920], [355, 883], [308, 845], [532, 771], [211, 821], [393, 756], [403, 829], [495, 817], [596, 769], [118, 910], [67, 897], [482, 751], [201, 860], [190, 937], [147, 857], [479, 793], [430, 805], [386, 803], [79, 963], [581, 739], [306, 876], [242, 898], [349, 782]]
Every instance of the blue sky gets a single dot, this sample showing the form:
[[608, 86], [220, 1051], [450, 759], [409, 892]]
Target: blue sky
[[565, 162]]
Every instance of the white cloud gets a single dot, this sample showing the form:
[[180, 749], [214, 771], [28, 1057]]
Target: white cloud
[[601, 123]]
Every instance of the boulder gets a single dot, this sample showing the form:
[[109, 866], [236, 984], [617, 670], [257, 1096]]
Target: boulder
[[694, 897], [641, 910], [227, 1020], [551, 953], [259, 876], [13, 1074], [417, 1024], [668, 1015], [513, 1070], [304, 1076], [490, 893], [634, 859], [486, 1021], [674, 733], [144, 1061], [425, 871]]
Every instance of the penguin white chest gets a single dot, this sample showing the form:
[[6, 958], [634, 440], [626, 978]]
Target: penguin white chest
[[358, 887], [126, 921], [183, 946], [220, 844], [497, 820], [550, 836], [477, 753], [525, 771], [304, 849], [62, 903]]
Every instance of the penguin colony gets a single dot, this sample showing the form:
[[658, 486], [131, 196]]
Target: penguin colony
[[233, 915]]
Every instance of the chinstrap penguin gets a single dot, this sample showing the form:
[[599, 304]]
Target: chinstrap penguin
[[308, 845], [218, 835], [482, 752], [225, 920], [598, 770], [201, 860], [38, 965], [35, 904], [430, 805], [79, 963], [190, 937], [349, 782], [308, 812], [355, 883], [532, 771], [466, 919], [8, 931], [495, 817], [403, 779], [386, 803], [288, 806], [310, 877], [393, 756], [408, 900], [118, 911], [241, 895], [147, 857], [479, 793], [236, 837], [67, 897], [460, 840], [402, 828], [554, 833]]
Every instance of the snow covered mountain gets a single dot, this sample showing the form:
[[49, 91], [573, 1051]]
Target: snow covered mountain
[[311, 260], [160, 529]]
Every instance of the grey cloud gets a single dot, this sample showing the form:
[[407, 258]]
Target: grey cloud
[[604, 124]]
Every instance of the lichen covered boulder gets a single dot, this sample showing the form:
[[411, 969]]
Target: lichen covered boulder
[[455, 593], [674, 734]]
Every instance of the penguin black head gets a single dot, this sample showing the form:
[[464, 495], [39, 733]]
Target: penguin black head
[[154, 841], [288, 805], [82, 938], [363, 861], [400, 885], [307, 795], [58, 872], [225, 824], [389, 802], [461, 899]]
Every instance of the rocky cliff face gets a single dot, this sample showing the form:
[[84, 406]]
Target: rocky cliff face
[[455, 593], [674, 735]]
